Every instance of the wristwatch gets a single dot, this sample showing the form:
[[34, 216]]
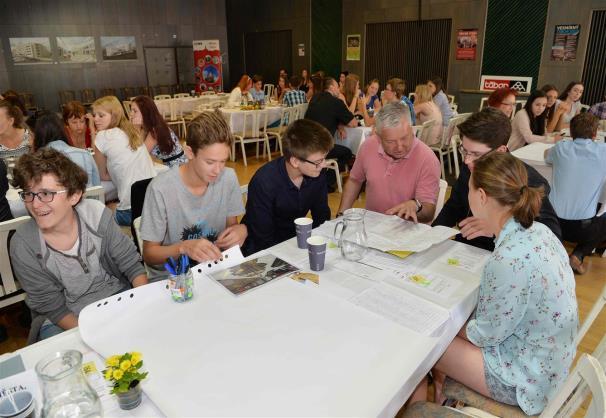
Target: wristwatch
[[419, 205]]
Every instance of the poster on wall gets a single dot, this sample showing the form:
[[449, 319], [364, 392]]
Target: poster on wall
[[76, 49], [208, 71], [30, 51], [467, 44], [118, 48], [301, 49], [353, 47], [565, 42]]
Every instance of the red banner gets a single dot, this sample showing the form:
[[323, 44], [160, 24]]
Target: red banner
[[208, 70], [467, 43]]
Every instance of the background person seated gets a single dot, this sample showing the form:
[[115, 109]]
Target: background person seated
[[579, 173], [71, 253], [395, 91], [192, 209], [483, 133], [241, 92], [402, 174], [287, 188], [257, 93], [77, 125], [518, 346], [427, 110], [528, 125], [504, 100]]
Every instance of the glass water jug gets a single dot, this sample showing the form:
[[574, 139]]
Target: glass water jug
[[350, 234], [65, 390]]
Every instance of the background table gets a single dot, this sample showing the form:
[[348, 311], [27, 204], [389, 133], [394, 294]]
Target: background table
[[236, 116], [355, 137]]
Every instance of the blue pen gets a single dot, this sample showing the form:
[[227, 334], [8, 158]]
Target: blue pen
[[169, 268], [186, 264]]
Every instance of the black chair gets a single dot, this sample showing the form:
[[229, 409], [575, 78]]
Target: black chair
[[137, 197]]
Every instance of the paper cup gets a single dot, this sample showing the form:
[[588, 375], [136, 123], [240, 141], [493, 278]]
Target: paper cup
[[303, 227], [316, 248]]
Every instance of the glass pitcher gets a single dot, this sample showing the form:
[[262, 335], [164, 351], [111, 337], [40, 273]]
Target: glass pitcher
[[352, 237], [65, 390]]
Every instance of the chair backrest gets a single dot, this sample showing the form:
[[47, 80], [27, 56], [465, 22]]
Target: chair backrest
[[441, 197], [181, 95], [8, 280], [593, 314], [66, 96], [427, 129], [95, 192], [28, 100], [146, 91], [87, 95], [454, 107], [588, 371], [162, 97], [412, 96], [450, 131], [302, 110], [207, 93], [164, 89], [126, 106], [137, 198], [108, 92], [584, 108], [254, 124], [128, 92], [483, 103], [451, 99], [268, 89]]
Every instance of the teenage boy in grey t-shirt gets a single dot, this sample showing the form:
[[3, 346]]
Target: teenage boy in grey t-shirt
[[192, 209]]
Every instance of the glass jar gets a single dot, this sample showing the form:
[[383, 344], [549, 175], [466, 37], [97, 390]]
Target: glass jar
[[181, 286], [65, 390]]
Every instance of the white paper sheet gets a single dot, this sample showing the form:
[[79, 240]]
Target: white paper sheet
[[434, 283], [465, 257], [403, 308]]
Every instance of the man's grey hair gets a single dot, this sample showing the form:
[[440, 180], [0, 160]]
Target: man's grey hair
[[390, 116]]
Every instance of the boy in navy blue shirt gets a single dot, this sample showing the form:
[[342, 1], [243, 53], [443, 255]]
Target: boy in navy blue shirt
[[289, 187]]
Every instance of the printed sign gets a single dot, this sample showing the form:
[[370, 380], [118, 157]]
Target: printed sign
[[353, 47], [494, 82], [565, 42], [467, 43], [208, 70]]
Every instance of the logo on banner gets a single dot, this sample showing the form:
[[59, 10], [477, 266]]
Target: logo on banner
[[494, 82], [520, 86]]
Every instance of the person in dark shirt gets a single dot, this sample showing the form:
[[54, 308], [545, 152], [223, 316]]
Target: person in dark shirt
[[329, 111], [287, 188], [5, 209], [482, 133]]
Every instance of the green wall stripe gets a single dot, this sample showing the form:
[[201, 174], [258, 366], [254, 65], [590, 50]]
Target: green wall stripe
[[326, 32], [514, 37]]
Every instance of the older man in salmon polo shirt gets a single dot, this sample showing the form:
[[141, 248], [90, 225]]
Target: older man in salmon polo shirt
[[402, 174]]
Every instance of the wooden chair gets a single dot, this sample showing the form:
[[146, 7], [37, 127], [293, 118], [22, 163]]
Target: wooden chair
[[10, 291], [87, 96], [108, 92], [253, 130], [128, 92], [66, 96]]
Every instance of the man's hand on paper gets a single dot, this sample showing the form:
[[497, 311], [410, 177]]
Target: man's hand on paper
[[232, 235], [200, 250], [473, 227], [406, 210]]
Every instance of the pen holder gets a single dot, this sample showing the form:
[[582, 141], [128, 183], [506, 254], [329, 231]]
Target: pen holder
[[181, 286]]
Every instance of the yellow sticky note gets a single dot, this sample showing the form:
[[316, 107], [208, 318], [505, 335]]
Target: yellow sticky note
[[400, 254], [419, 279], [332, 245], [453, 261], [89, 368]]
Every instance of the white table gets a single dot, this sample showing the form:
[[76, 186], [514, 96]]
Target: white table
[[235, 116], [289, 349], [355, 137], [189, 104]]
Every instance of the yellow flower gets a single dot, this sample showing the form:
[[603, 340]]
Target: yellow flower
[[125, 365], [118, 374], [108, 374], [135, 358], [113, 361]]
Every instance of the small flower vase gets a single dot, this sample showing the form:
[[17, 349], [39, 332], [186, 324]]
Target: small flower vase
[[131, 398]]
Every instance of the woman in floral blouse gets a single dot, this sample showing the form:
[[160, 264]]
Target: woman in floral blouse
[[518, 346]]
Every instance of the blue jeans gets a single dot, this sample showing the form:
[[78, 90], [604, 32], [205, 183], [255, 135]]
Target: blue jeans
[[124, 217], [49, 330]]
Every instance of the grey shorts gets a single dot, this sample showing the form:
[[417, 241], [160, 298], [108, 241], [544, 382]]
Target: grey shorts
[[499, 391]]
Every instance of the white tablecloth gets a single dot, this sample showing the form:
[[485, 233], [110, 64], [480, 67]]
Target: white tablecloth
[[285, 348], [355, 137], [274, 113], [189, 104]]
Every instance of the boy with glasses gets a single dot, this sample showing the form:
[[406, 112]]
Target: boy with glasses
[[289, 187], [72, 252], [483, 133]]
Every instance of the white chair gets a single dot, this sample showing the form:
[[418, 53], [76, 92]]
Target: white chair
[[95, 192], [451, 99], [519, 106], [426, 130], [170, 109], [126, 106], [332, 164], [441, 198], [593, 314], [268, 89], [454, 107], [9, 285], [446, 145], [253, 130], [289, 114], [162, 97], [302, 108], [181, 95], [584, 108], [483, 103]]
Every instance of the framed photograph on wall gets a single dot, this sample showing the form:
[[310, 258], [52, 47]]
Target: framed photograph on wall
[[31, 51], [76, 49], [353, 47], [118, 48]]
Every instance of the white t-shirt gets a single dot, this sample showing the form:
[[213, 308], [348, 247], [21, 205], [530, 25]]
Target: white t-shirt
[[124, 165]]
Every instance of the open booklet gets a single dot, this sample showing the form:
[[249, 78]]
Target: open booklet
[[239, 276], [392, 233]]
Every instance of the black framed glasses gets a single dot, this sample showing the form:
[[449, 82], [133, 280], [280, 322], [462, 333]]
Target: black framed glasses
[[316, 163], [45, 196], [475, 155]]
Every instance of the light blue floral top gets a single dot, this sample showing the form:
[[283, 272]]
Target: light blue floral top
[[526, 319]]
